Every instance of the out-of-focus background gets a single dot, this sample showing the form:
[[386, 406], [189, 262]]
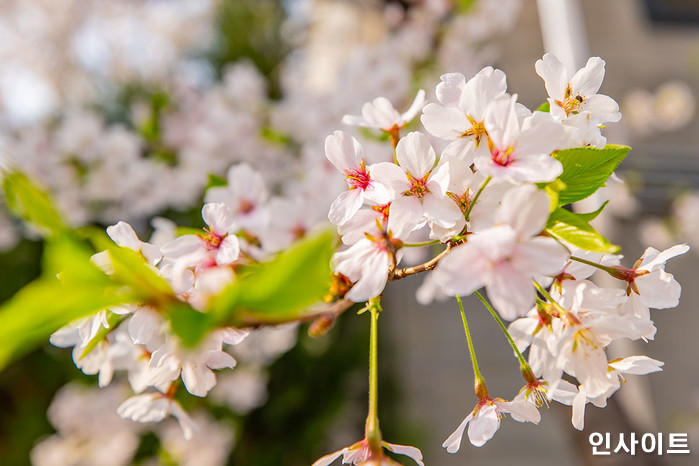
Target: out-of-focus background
[[124, 109]]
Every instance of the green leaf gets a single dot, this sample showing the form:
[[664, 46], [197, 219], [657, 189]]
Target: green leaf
[[282, 289], [590, 216], [216, 181], [32, 203], [545, 107], [188, 324], [586, 169], [131, 269], [47, 304], [575, 229]]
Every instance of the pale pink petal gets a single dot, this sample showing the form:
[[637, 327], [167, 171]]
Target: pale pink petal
[[588, 80], [603, 108], [218, 216], [526, 209], [540, 256], [441, 211], [461, 272], [355, 120], [182, 246], [405, 450], [123, 235], [653, 259], [578, 416], [444, 123], [554, 75], [328, 459], [373, 279], [343, 151], [522, 331], [345, 206], [218, 360], [414, 109], [186, 423], [659, 289], [198, 378], [510, 291], [453, 443], [462, 149], [484, 425], [405, 215], [449, 90], [389, 175], [415, 154], [228, 250], [520, 410], [637, 365], [502, 122], [481, 90], [381, 114]]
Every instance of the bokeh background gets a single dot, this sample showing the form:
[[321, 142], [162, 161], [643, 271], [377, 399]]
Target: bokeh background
[[124, 109]]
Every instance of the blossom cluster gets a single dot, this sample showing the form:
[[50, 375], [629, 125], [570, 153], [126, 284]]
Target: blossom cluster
[[484, 199], [244, 225]]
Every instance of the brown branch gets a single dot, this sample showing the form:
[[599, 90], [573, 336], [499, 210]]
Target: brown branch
[[429, 265]]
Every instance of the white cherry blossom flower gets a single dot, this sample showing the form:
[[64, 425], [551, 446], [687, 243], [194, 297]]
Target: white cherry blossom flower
[[380, 114], [579, 94], [154, 407], [506, 257], [347, 155], [122, 234], [360, 453], [461, 116], [419, 188], [519, 152], [484, 420], [649, 285]]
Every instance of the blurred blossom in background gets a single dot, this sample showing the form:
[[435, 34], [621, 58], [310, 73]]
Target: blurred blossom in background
[[128, 110]]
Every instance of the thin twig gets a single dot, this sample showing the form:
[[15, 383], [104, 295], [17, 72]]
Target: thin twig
[[429, 265]]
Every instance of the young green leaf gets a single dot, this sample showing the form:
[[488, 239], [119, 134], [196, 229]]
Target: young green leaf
[[574, 229], [282, 289], [545, 107], [31, 203], [586, 169]]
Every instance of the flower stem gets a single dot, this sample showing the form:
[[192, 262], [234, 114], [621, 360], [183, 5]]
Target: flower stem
[[373, 433], [609, 270], [522, 361], [417, 245], [481, 390], [475, 198]]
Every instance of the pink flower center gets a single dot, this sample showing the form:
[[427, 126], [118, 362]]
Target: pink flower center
[[358, 178], [418, 186], [503, 157], [245, 206]]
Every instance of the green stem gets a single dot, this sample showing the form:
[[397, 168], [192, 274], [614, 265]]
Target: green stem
[[417, 245], [522, 361], [481, 391], [609, 270], [475, 198], [373, 433]]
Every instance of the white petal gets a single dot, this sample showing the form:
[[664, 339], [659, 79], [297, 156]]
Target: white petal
[[381, 114], [415, 154], [540, 256], [123, 235], [653, 259], [218, 216], [588, 80], [228, 250], [343, 151], [453, 443], [554, 75], [578, 417], [441, 210], [511, 292], [345, 206], [444, 123], [637, 365], [603, 108], [449, 90], [484, 425], [526, 209], [405, 450], [659, 289], [414, 109], [462, 149], [198, 378], [328, 459]]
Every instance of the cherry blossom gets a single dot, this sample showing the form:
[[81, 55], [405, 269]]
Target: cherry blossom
[[360, 453], [380, 114], [347, 155], [579, 94], [519, 152]]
